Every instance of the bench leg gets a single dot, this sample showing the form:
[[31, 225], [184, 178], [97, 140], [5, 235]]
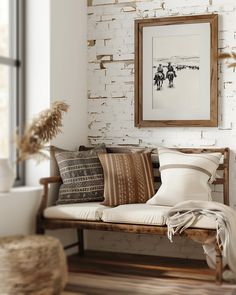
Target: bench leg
[[219, 267], [80, 235], [40, 230]]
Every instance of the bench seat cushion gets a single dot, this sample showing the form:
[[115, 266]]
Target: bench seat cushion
[[130, 213], [147, 215], [80, 211], [136, 214]]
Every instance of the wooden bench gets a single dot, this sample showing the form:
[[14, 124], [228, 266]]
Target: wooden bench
[[195, 234]]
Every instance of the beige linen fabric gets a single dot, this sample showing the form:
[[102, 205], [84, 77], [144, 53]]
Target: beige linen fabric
[[185, 176]]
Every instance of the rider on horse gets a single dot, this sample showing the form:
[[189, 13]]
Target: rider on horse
[[170, 68], [161, 70], [159, 77]]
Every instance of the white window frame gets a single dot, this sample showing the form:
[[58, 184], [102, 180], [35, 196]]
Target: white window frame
[[17, 80]]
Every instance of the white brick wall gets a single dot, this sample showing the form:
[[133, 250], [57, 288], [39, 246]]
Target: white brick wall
[[111, 95]]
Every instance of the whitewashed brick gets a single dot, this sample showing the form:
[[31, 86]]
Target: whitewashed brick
[[123, 57], [91, 54], [124, 79], [92, 66], [147, 6], [223, 2], [126, 1], [104, 50], [92, 19], [110, 9], [185, 3], [116, 73], [129, 66], [115, 25], [101, 26], [97, 94], [101, 2], [114, 65], [130, 1], [90, 11], [223, 8], [107, 17], [129, 9], [198, 10]]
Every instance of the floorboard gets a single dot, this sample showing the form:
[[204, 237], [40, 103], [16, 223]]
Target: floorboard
[[105, 263], [80, 283]]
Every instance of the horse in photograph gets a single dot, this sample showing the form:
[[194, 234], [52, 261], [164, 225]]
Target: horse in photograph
[[159, 77], [170, 76]]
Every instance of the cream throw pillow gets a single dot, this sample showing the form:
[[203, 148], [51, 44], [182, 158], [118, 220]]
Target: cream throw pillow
[[184, 177]]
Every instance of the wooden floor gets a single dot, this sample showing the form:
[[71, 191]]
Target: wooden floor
[[101, 273], [105, 263]]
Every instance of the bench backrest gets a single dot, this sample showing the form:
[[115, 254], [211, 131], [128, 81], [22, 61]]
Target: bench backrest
[[220, 187]]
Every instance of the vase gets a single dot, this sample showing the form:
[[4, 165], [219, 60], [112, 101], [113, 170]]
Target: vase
[[6, 175]]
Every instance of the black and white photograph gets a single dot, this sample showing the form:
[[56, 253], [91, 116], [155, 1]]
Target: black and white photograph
[[177, 58], [177, 71]]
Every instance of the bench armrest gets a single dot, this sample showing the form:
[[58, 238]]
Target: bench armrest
[[45, 182], [50, 179]]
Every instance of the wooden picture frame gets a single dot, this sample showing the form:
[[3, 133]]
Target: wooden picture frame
[[188, 45]]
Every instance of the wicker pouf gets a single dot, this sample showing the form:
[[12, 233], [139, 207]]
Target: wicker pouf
[[32, 265]]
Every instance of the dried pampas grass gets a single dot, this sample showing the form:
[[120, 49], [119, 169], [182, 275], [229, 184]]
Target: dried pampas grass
[[44, 127], [231, 55]]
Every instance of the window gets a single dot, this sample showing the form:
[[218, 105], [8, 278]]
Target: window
[[11, 78]]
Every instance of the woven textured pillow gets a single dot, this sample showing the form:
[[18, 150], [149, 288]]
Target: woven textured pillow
[[185, 176], [54, 169], [82, 176], [128, 178]]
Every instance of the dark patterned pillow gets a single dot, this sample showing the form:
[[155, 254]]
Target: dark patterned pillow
[[82, 176], [54, 169]]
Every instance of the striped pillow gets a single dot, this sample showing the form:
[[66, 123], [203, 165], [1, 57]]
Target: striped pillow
[[82, 176], [128, 178], [184, 177]]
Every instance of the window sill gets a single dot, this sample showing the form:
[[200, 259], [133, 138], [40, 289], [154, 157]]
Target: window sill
[[21, 190]]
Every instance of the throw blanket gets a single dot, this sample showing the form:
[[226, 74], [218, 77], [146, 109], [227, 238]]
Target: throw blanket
[[184, 214]]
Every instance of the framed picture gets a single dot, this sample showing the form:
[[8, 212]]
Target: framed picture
[[176, 71]]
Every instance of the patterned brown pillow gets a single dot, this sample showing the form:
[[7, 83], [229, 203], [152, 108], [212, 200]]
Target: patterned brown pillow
[[128, 178], [82, 176]]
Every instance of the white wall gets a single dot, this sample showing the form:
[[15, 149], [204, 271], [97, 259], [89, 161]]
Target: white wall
[[37, 72], [56, 66], [68, 80], [56, 63], [68, 68]]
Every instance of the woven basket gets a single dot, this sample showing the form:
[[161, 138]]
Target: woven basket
[[32, 265]]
